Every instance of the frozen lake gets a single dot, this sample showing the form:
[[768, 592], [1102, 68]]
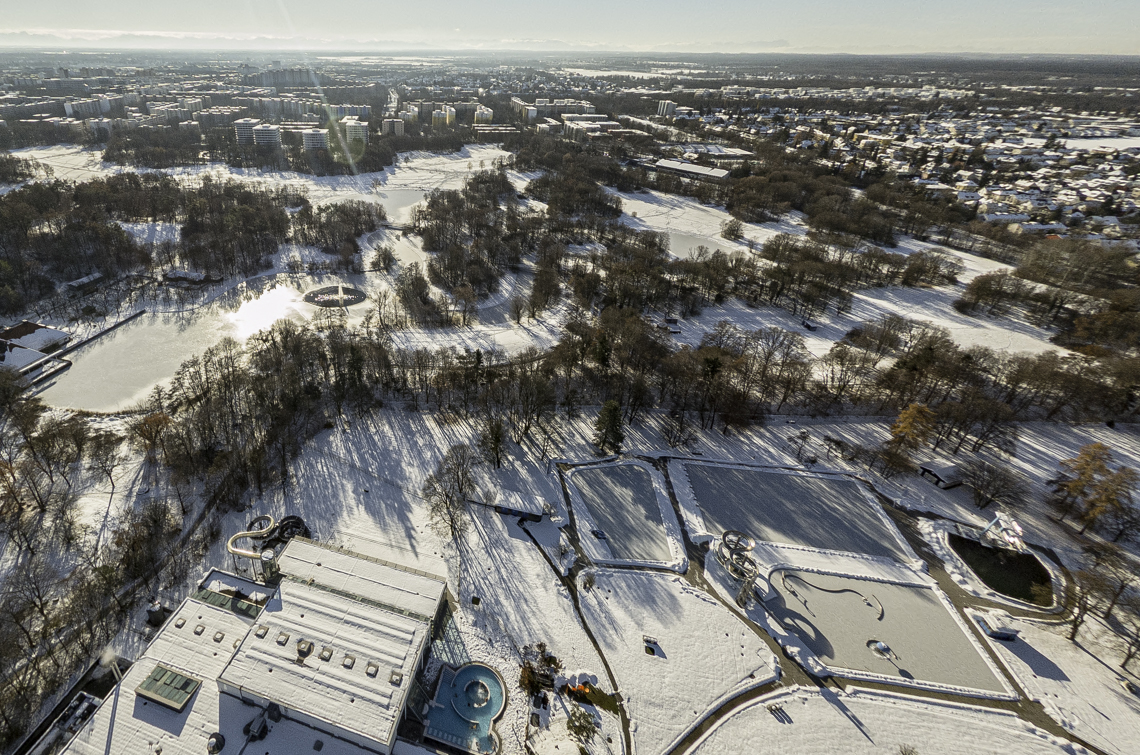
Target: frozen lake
[[118, 370]]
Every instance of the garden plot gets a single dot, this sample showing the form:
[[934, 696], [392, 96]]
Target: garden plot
[[784, 506], [862, 722], [834, 621], [699, 652], [624, 516]]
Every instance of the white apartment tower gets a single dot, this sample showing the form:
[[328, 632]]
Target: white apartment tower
[[483, 115], [266, 134], [394, 126], [666, 108], [315, 138], [354, 129], [243, 128]]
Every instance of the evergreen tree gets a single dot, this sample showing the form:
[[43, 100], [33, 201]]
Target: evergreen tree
[[492, 440], [608, 435]]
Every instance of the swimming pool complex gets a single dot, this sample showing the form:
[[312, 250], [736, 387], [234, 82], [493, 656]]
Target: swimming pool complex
[[467, 702]]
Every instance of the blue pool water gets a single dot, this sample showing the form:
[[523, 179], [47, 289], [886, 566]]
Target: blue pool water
[[467, 702]]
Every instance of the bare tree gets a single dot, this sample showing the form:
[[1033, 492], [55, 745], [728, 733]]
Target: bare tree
[[992, 483], [1090, 588], [518, 309], [447, 489], [104, 455], [1117, 571]]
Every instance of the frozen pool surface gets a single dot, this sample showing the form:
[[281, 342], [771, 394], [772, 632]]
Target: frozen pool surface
[[831, 513]]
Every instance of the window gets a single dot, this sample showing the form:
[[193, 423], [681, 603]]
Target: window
[[167, 687]]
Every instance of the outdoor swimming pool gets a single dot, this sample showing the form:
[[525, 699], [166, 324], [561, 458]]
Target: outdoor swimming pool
[[467, 702]]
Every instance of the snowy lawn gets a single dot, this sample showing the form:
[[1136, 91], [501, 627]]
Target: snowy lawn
[[1078, 684], [700, 654], [809, 722]]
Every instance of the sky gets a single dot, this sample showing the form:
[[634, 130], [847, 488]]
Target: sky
[[867, 26]]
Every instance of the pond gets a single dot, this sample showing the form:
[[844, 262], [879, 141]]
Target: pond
[[117, 371], [1018, 575]]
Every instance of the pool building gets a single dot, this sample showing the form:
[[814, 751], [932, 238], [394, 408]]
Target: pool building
[[467, 702], [321, 660]]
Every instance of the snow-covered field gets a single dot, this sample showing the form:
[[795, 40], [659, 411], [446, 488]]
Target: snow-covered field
[[690, 223], [1080, 687], [400, 185], [863, 722], [701, 652]]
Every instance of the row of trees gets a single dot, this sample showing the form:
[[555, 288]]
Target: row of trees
[[69, 586], [56, 231]]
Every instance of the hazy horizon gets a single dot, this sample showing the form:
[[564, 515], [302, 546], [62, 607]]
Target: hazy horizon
[[1017, 27]]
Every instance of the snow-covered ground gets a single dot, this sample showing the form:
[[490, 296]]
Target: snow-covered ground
[[153, 233], [1080, 687], [862, 722], [933, 305], [412, 175], [701, 651], [690, 223]]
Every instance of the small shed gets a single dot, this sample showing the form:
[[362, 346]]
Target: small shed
[[943, 474], [513, 503], [83, 285]]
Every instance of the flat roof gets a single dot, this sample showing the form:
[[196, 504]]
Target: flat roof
[[697, 170], [324, 653], [389, 585], [220, 638], [130, 723]]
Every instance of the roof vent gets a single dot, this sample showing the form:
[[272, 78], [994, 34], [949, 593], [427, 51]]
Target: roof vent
[[262, 631], [371, 669], [349, 661], [215, 743], [304, 649], [283, 638], [199, 629], [396, 678]]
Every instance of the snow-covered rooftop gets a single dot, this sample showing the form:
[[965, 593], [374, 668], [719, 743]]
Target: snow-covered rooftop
[[396, 588], [323, 654], [336, 647], [196, 641]]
